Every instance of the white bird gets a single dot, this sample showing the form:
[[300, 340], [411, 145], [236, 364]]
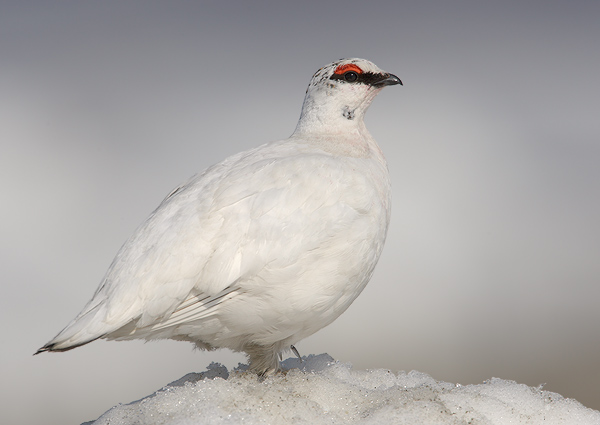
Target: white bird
[[264, 248]]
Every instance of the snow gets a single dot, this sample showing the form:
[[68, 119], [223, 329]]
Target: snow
[[319, 390]]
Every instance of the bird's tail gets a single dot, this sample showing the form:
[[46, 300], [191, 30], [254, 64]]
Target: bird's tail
[[83, 329]]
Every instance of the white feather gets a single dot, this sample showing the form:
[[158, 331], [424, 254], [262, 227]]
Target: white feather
[[260, 250]]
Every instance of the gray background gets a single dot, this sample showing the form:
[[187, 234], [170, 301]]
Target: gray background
[[491, 266]]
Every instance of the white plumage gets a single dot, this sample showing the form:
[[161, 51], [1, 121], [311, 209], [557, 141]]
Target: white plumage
[[264, 248]]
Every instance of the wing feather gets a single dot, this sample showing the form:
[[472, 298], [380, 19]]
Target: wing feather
[[196, 308]]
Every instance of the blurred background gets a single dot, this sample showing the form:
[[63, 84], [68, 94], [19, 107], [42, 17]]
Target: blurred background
[[492, 262]]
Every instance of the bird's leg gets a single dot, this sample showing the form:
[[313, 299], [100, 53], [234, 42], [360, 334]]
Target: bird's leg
[[263, 359]]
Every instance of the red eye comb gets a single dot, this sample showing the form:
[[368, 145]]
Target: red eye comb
[[348, 67]]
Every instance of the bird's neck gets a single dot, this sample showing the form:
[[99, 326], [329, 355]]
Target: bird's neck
[[327, 111], [337, 121], [329, 118], [333, 132]]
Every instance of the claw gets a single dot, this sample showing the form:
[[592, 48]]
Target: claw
[[295, 351]]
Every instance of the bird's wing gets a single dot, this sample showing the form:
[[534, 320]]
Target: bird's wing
[[196, 307]]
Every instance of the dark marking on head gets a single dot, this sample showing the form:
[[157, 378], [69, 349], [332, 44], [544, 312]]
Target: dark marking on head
[[348, 113], [368, 78]]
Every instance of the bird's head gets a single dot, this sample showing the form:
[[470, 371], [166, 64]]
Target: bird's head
[[340, 93]]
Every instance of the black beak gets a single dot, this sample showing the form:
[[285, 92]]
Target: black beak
[[387, 80]]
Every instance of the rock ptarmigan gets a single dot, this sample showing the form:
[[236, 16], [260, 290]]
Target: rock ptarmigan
[[264, 248]]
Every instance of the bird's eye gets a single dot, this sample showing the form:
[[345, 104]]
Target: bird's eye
[[350, 76]]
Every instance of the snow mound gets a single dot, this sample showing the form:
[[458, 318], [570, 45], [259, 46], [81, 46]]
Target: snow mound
[[319, 390]]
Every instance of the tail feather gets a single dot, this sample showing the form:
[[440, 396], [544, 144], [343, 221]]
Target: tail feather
[[56, 348], [85, 328]]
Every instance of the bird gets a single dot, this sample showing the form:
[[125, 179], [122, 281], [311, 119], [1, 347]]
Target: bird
[[263, 249]]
